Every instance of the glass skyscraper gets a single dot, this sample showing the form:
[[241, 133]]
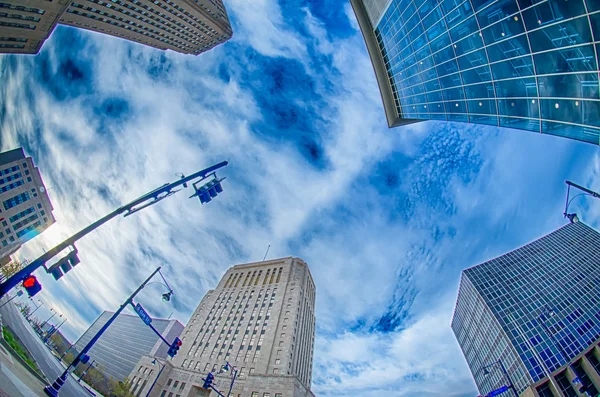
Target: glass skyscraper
[[525, 64], [499, 304], [126, 340]]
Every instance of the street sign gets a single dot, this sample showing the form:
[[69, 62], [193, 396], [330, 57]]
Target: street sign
[[497, 391], [142, 313]]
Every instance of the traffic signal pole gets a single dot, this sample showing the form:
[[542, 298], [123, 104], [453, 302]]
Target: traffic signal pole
[[142, 202], [54, 389]]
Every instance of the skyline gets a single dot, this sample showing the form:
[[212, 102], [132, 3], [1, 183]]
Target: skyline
[[293, 105]]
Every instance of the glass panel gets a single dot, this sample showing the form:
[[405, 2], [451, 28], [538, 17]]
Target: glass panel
[[478, 75], [453, 94], [521, 124], [477, 91], [436, 30], [489, 120], [438, 116], [434, 96], [449, 5], [518, 107], [425, 8], [447, 68], [583, 85], [513, 68], [463, 30], [484, 106], [457, 107], [500, 10], [506, 28], [431, 86], [450, 81], [514, 47], [552, 11], [585, 134], [572, 111], [469, 44], [567, 33], [592, 5], [435, 17], [595, 20], [463, 118], [443, 55], [416, 32], [459, 14], [577, 59], [473, 59]]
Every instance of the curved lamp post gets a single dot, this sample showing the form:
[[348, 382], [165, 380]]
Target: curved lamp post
[[486, 372], [586, 192]]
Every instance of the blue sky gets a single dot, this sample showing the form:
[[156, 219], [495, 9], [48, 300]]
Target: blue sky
[[385, 218]]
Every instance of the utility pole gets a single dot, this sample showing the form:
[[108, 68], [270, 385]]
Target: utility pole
[[138, 204], [54, 389]]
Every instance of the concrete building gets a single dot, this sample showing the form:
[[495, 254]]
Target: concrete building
[[185, 26], [127, 334], [261, 320], [536, 309], [25, 209], [26, 24], [520, 64]]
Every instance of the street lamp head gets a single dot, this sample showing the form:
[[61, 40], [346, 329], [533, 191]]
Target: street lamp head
[[167, 296], [486, 372], [154, 362], [572, 217]]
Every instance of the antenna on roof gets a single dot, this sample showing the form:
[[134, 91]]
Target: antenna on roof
[[266, 252]]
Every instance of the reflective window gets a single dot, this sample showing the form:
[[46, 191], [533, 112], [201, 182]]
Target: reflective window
[[566, 33]]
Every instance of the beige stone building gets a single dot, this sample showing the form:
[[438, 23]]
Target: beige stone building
[[25, 209], [26, 24], [185, 26], [261, 320]]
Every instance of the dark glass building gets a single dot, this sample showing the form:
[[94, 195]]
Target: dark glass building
[[525, 64], [500, 310], [126, 340]]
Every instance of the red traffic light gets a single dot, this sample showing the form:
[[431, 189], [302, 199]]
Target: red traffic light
[[178, 343], [31, 285]]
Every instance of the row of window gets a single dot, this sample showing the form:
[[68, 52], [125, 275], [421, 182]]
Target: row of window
[[17, 39], [21, 214]]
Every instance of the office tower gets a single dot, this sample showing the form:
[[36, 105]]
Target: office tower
[[186, 26], [126, 340], [26, 24], [525, 308], [513, 63], [261, 320], [26, 210]]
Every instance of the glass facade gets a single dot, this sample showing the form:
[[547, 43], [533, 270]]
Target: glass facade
[[499, 304], [126, 340], [525, 64]]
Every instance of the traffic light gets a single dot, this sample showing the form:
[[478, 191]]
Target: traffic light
[[207, 192], [64, 265], [174, 347], [208, 381], [31, 285]]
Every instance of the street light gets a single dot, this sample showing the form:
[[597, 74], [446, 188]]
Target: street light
[[54, 314], [573, 218], [510, 385], [54, 389], [154, 362], [148, 199], [36, 309]]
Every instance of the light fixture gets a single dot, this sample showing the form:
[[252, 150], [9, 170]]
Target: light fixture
[[480, 104], [167, 296], [576, 103], [533, 101], [556, 105], [486, 372], [516, 18]]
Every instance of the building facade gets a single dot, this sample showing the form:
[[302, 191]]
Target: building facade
[[127, 334], [525, 64], [185, 26], [25, 209], [261, 320], [26, 24], [503, 306]]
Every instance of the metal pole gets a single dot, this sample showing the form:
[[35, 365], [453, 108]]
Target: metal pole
[[44, 323], [167, 188], [37, 307], [588, 191], [510, 382], [87, 369], [8, 301], [232, 381], [156, 379], [54, 389]]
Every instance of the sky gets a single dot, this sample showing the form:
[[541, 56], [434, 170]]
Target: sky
[[386, 218]]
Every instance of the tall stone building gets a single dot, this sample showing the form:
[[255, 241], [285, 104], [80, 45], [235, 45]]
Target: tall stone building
[[536, 310], [25, 209], [261, 320], [524, 64], [185, 26]]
